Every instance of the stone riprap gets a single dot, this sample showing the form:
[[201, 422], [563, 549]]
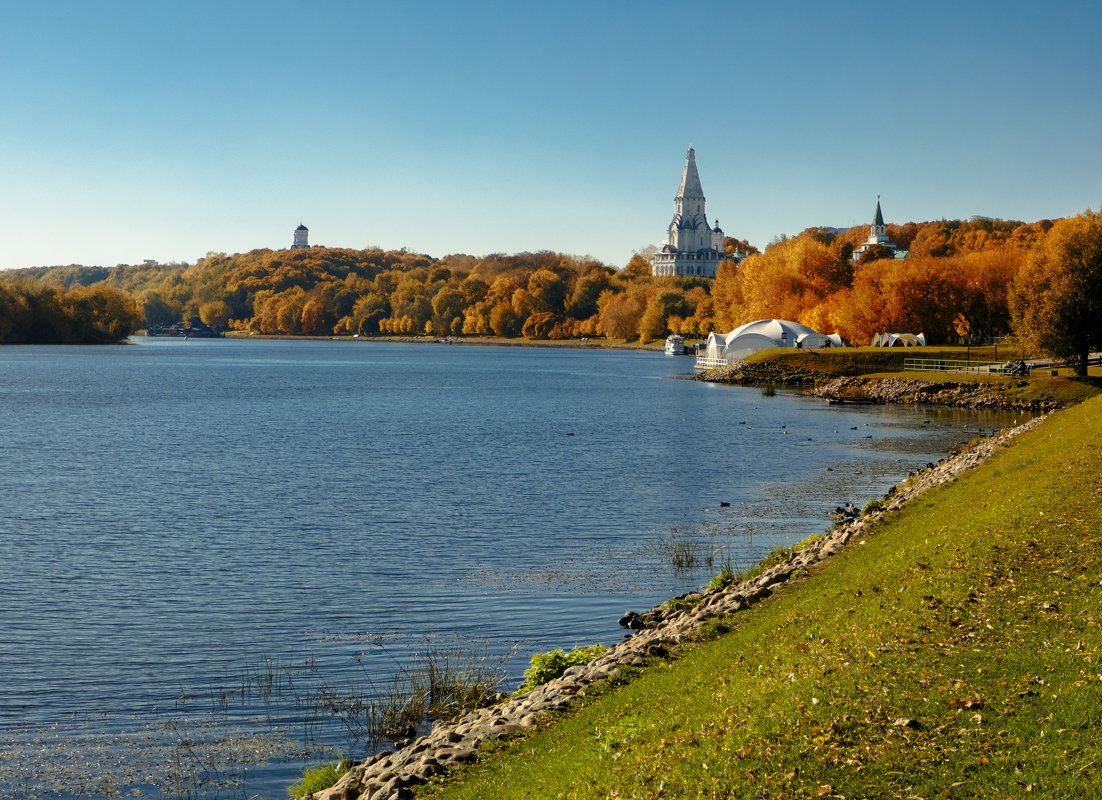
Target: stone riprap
[[962, 394], [658, 633], [761, 372]]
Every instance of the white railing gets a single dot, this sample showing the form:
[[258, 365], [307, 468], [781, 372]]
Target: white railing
[[703, 362], [949, 365]]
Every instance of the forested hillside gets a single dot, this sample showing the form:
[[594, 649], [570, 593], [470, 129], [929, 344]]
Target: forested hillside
[[953, 286]]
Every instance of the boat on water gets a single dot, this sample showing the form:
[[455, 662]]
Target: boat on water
[[675, 345], [194, 328]]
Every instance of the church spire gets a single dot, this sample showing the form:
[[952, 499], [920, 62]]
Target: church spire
[[690, 180], [878, 220]]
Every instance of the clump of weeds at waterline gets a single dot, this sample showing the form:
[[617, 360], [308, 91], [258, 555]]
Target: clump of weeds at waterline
[[438, 682], [319, 778], [727, 575], [550, 665], [872, 507], [684, 553]]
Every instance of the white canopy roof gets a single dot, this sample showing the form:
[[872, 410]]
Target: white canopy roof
[[763, 334]]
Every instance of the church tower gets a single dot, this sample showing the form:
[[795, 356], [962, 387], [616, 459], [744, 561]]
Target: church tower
[[692, 246], [302, 233], [877, 235]]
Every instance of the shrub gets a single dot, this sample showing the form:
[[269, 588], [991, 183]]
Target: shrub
[[548, 666]]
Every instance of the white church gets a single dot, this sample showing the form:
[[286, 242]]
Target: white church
[[692, 246], [878, 237]]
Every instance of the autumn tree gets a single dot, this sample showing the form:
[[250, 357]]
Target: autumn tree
[[1056, 300], [587, 290], [215, 313], [156, 310], [539, 325], [638, 266], [547, 290], [660, 307], [504, 321], [315, 319], [102, 314], [447, 310], [878, 252], [620, 313], [15, 316]]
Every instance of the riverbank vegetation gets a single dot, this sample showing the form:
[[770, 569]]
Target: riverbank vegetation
[[32, 312], [956, 651]]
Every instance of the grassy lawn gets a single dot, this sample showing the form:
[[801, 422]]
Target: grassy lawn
[[955, 653], [877, 362]]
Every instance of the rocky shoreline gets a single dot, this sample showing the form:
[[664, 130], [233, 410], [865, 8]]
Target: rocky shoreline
[[658, 633], [957, 393], [961, 394]]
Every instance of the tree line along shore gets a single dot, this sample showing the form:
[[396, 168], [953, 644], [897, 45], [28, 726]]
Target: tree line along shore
[[962, 281], [947, 643]]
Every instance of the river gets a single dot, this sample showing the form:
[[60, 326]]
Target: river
[[198, 537]]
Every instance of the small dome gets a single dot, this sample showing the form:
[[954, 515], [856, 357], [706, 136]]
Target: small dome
[[302, 228]]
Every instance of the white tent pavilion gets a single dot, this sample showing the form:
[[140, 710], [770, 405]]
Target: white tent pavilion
[[760, 335], [899, 340]]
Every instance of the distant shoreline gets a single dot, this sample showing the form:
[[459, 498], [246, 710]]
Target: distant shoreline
[[482, 341]]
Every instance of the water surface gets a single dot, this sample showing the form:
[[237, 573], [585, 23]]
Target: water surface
[[179, 517]]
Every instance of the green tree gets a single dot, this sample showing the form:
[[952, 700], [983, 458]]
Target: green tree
[[1056, 300]]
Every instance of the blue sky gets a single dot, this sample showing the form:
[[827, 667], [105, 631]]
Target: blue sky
[[163, 130]]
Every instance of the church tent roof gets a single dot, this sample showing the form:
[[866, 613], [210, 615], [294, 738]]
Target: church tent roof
[[690, 179]]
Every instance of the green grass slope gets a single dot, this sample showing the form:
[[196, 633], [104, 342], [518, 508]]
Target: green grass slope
[[956, 652]]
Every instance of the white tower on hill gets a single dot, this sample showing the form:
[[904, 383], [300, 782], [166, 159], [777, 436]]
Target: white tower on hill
[[302, 233]]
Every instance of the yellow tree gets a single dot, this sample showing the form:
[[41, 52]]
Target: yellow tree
[[1056, 301], [102, 314], [620, 314], [215, 313]]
